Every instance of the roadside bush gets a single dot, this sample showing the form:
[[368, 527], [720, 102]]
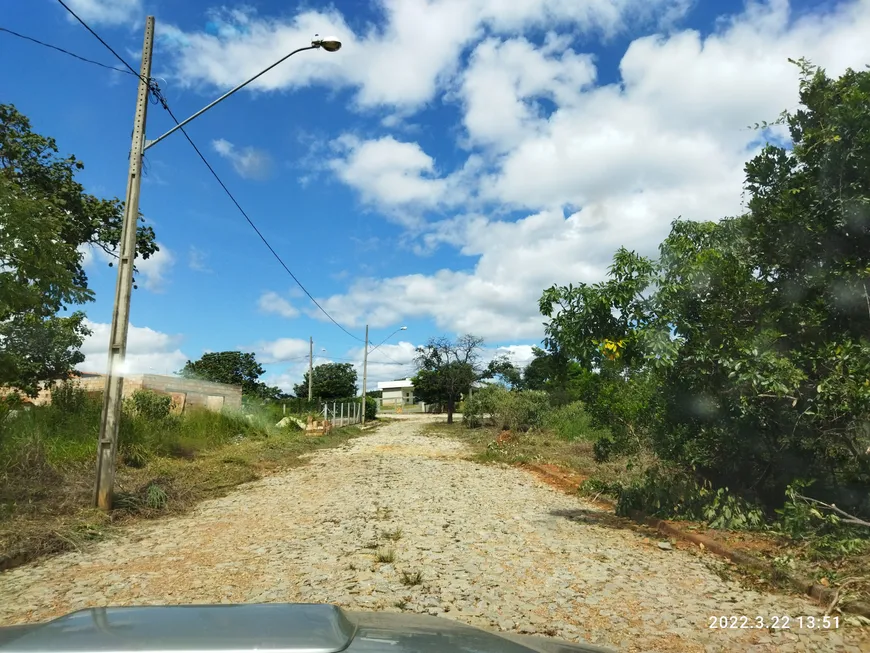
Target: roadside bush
[[151, 405], [69, 397], [371, 409], [482, 405], [668, 492], [572, 422], [497, 406]]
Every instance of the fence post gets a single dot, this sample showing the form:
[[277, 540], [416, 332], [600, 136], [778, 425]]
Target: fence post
[[342, 413]]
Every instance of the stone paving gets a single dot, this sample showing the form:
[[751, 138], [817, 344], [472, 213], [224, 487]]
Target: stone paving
[[399, 521]]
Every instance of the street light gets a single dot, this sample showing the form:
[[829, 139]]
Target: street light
[[366, 365], [404, 328], [112, 397]]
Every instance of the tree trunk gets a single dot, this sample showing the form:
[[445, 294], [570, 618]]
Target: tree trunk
[[450, 406]]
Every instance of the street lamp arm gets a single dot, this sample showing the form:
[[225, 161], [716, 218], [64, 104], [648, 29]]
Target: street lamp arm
[[149, 144], [387, 338]]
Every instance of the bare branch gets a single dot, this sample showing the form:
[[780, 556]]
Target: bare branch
[[850, 519]]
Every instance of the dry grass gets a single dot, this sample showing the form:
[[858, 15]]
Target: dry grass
[[411, 578], [394, 535], [385, 555], [46, 509]]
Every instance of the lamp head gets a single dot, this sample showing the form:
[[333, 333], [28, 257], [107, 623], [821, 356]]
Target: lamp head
[[330, 43]]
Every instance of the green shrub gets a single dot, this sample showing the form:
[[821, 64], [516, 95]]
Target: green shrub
[[69, 397], [572, 422], [371, 409], [13, 400], [514, 410], [667, 492], [151, 405]]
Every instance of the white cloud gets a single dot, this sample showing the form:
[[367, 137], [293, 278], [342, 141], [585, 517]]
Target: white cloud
[[248, 162], [106, 12], [388, 172], [197, 259], [670, 140], [504, 78], [152, 273], [148, 351], [281, 350], [402, 63], [272, 302]]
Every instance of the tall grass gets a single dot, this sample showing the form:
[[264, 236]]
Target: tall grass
[[52, 438]]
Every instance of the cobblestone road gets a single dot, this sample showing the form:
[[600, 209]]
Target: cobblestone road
[[494, 547]]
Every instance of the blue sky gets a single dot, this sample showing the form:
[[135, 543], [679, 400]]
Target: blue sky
[[451, 161]]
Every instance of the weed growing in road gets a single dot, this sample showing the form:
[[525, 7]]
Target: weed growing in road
[[394, 535], [401, 604], [371, 545], [383, 513], [411, 579], [385, 555]]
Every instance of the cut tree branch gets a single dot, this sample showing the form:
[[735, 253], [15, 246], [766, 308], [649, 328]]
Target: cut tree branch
[[850, 519]]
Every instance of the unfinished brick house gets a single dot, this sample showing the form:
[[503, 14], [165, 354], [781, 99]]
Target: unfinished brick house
[[185, 392]]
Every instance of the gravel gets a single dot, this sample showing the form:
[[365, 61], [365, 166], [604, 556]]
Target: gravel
[[496, 548]]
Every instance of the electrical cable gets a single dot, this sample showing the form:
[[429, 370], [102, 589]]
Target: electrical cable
[[67, 52], [97, 36], [254, 227], [158, 97]]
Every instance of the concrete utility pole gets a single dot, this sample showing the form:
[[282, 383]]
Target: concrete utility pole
[[365, 374], [310, 366], [113, 395]]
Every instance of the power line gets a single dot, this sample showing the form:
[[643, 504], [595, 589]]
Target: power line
[[253, 226], [97, 36], [67, 52], [388, 357], [152, 85]]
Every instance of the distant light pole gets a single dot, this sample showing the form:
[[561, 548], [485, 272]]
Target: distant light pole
[[112, 397], [366, 365]]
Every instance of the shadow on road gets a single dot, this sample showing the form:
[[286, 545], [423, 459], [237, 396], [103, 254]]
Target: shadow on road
[[601, 518]]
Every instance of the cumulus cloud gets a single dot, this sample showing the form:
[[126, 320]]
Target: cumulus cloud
[[153, 272], [609, 166], [248, 162], [106, 12], [590, 166], [400, 63], [272, 302], [281, 350], [148, 351]]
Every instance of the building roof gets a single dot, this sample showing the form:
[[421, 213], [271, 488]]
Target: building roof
[[395, 385]]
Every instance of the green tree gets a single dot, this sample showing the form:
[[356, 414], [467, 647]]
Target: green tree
[[446, 369], [748, 336], [330, 381], [232, 368], [45, 217], [503, 369]]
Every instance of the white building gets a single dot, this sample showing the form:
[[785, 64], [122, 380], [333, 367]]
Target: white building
[[394, 393]]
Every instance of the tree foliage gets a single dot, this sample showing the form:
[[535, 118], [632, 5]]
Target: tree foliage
[[742, 352], [330, 381], [45, 218], [446, 369], [232, 368]]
